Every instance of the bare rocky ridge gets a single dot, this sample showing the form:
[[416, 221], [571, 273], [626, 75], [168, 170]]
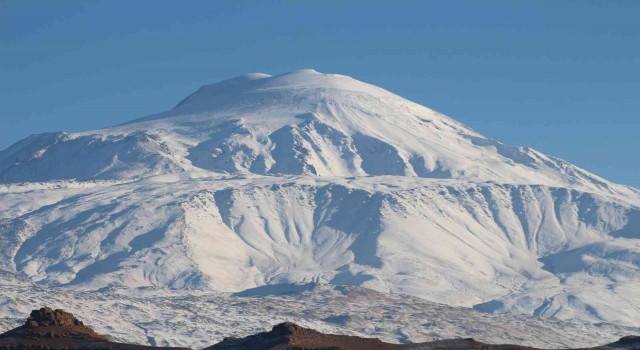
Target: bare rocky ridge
[[293, 337], [198, 320], [47, 328], [289, 335], [51, 329]]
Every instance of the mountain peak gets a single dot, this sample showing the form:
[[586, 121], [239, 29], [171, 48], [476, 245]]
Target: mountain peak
[[317, 177], [298, 123], [304, 71], [303, 79]]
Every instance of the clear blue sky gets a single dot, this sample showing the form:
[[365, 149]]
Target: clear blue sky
[[560, 76]]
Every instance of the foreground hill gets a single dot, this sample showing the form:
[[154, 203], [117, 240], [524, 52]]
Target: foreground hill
[[289, 336], [310, 177], [57, 330], [198, 319]]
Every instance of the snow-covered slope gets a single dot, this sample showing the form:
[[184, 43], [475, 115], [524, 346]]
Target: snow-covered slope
[[301, 123], [316, 177], [200, 318]]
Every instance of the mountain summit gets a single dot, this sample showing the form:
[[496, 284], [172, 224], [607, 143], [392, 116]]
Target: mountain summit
[[300, 123], [310, 177]]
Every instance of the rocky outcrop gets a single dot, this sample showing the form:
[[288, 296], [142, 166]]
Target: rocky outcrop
[[56, 324], [49, 329], [290, 336]]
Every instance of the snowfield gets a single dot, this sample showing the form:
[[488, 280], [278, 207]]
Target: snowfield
[[201, 318], [310, 177]]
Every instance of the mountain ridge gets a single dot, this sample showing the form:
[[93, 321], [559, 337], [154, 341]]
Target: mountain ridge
[[325, 137], [311, 177]]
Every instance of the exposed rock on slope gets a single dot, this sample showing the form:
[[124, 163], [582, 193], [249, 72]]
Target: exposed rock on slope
[[290, 336], [197, 319], [49, 323], [56, 329]]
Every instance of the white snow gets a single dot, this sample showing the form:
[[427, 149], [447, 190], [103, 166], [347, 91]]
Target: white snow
[[311, 177], [200, 318]]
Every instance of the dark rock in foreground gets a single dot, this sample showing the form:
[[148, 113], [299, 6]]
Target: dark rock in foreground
[[290, 336], [57, 329], [48, 329]]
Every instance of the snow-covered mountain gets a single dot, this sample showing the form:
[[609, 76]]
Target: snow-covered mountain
[[310, 177]]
